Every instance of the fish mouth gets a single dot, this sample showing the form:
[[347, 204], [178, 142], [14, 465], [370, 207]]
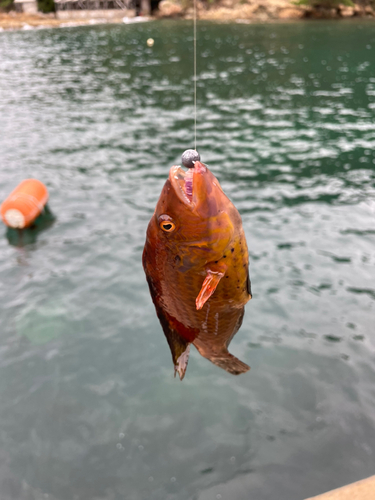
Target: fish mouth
[[183, 181]]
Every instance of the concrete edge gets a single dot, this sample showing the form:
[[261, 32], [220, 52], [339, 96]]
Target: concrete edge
[[361, 490]]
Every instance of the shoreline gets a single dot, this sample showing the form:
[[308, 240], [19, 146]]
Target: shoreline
[[263, 11], [248, 11], [12, 21]]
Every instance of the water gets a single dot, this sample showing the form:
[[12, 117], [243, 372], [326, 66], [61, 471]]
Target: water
[[89, 407]]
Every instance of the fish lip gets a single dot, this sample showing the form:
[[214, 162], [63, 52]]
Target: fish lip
[[176, 175]]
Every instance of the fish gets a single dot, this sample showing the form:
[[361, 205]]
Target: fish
[[196, 263]]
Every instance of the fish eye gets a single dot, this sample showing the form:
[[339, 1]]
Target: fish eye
[[167, 225]]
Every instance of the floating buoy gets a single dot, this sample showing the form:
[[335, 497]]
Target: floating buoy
[[24, 204]]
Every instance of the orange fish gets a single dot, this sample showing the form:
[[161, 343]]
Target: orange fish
[[196, 263]]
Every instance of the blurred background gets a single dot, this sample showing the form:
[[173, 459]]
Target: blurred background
[[89, 408]]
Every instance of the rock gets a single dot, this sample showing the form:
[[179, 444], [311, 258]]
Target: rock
[[322, 13], [346, 11], [227, 3], [244, 11], [168, 8], [259, 10], [291, 13], [333, 13], [278, 4]]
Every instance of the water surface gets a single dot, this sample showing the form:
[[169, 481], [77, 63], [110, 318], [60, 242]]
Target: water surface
[[89, 408]]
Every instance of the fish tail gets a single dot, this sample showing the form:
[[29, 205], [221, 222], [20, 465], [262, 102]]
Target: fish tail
[[230, 363]]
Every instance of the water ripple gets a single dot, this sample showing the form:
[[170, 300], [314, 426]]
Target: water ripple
[[89, 405]]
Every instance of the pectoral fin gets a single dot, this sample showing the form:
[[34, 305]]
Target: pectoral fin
[[209, 285]]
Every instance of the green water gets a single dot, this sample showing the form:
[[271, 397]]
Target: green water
[[89, 408]]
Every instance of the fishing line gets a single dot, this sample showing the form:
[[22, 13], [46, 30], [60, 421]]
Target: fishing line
[[195, 74]]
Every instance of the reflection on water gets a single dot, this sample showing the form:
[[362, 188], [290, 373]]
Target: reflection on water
[[22, 237], [89, 407]]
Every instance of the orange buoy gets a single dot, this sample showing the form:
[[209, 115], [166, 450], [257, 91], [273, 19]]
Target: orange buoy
[[24, 204]]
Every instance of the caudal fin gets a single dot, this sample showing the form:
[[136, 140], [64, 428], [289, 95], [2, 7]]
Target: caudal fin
[[230, 363]]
